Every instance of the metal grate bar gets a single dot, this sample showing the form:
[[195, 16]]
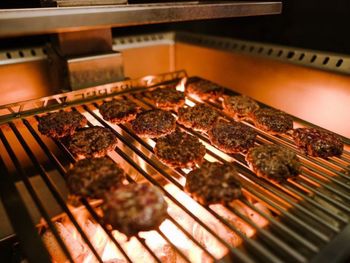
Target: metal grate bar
[[197, 135], [172, 220], [233, 250], [147, 146], [20, 218], [264, 185], [319, 172], [143, 156], [62, 171], [315, 203], [158, 230], [281, 139], [34, 196], [275, 240], [251, 242], [267, 184], [54, 191], [178, 251], [282, 227]]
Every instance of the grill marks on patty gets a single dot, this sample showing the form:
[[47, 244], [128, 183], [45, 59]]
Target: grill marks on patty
[[199, 117], [273, 162], [180, 149], [93, 177], [61, 124], [154, 123], [232, 137], [318, 143], [92, 142], [119, 111], [134, 207], [213, 183]]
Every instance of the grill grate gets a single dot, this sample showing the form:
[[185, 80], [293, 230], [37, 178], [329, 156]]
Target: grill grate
[[306, 215]]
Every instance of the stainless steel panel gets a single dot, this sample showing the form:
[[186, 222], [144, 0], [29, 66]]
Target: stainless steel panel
[[95, 70], [48, 20]]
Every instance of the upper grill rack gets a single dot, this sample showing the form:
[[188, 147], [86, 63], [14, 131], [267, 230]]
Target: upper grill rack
[[306, 216]]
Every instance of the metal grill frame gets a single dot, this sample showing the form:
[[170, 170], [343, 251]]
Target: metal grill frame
[[88, 99]]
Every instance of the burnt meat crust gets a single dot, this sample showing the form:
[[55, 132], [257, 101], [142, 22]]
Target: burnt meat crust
[[180, 149], [92, 142], [239, 107], [154, 123], [92, 177], [134, 207], [272, 121], [199, 118], [318, 143], [232, 137], [61, 124], [213, 183], [273, 162], [203, 89], [167, 98], [119, 111]]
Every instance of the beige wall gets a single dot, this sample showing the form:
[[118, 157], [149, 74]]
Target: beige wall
[[316, 96]]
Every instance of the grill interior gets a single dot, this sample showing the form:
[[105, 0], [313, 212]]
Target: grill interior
[[303, 217]]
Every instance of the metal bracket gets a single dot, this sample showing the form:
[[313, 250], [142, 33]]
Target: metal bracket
[[84, 59], [21, 109]]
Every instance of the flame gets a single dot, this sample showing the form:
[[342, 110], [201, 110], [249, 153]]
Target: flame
[[181, 85]]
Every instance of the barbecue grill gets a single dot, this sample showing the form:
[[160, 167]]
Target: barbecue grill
[[304, 219]]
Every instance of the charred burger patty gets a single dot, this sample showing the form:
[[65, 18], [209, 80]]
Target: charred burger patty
[[213, 183], [92, 177], [318, 143], [92, 142], [60, 124], [273, 162], [134, 207]]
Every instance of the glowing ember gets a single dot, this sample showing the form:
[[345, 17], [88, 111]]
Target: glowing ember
[[165, 251]]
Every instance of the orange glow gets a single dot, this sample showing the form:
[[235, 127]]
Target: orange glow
[[106, 248]]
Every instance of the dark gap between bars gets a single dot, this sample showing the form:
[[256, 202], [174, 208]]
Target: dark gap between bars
[[248, 241], [206, 140], [127, 131], [34, 196], [282, 139], [55, 193], [150, 162], [198, 135], [62, 171]]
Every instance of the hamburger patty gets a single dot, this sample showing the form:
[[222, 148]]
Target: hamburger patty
[[133, 208], [154, 123], [239, 107], [232, 137], [167, 98], [60, 124], [213, 183], [180, 149], [203, 89], [119, 111], [92, 177], [273, 162], [317, 142], [199, 117], [272, 121], [92, 142]]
